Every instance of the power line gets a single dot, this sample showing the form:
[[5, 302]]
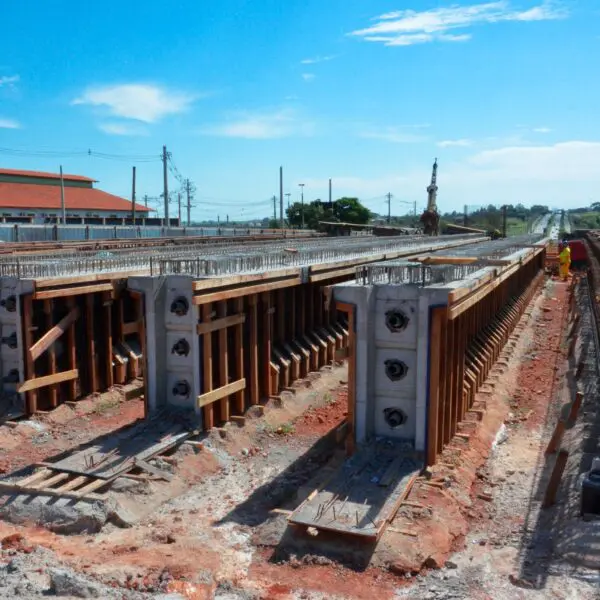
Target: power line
[[72, 153]]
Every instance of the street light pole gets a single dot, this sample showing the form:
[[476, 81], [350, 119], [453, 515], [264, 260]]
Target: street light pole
[[302, 202]]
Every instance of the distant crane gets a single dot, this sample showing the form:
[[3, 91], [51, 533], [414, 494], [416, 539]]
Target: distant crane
[[430, 217]]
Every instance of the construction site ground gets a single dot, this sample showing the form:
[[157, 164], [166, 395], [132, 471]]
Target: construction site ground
[[472, 526]]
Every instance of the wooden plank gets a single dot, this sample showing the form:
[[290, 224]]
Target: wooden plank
[[223, 361], [140, 314], [41, 474], [266, 346], [238, 350], [207, 368], [53, 391], [433, 402], [243, 291], [253, 349], [131, 328], [109, 339], [31, 398], [91, 343], [222, 392], [142, 464], [71, 485], [73, 291], [50, 481], [555, 477], [51, 336], [39, 382], [350, 311], [221, 323], [86, 490], [15, 488]]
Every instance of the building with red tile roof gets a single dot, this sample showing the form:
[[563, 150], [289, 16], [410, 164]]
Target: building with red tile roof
[[36, 196]]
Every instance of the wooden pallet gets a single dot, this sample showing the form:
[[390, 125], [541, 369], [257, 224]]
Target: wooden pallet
[[49, 482]]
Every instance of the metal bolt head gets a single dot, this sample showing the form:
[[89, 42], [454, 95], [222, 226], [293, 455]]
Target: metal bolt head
[[395, 369], [396, 320], [395, 417], [180, 306]]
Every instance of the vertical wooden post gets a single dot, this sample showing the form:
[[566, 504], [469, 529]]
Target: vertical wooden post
[[223, 361], [350, 310], [292, 314], [309, 301], [435, 349], [253, 349], [267, 334], [281, 316], [91, 343], [32, 396], [301, 304], [319, 307], [53, 389], [121, 371], [207, 368], [72, 352], [239, 402], [555, 477], [443, 430], [107, 301]]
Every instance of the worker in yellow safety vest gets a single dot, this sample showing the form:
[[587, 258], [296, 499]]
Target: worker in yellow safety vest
[[564, 260]]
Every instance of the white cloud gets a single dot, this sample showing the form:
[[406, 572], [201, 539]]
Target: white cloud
[[142, 102], [9, 124], [113, 128], [542, 130], [308, 76], [279, 124], [9, 80], [317, 59], [396, 135], [562, 174], [408, 27], [450, 143]]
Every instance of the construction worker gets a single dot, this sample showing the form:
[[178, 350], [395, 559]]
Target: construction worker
[[564, 260]]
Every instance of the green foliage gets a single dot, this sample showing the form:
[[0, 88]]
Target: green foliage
[[585, 220], [273, 224], [344, 210]]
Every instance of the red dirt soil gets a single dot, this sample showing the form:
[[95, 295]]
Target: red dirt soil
[[66, 428], [319, 421]]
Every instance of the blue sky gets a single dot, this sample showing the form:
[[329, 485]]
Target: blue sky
[[366, 92]]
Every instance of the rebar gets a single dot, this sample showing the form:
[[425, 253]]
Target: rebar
[[202, 260]]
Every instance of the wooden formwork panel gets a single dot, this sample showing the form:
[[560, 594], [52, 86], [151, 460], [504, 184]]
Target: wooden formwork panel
[[463, 350]]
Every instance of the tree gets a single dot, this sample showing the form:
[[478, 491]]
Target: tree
[[344, 210], [350, 210], [313, 213]]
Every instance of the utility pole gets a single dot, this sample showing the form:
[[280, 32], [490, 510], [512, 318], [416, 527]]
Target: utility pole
[[274, 208], [133, 196], [389, 199], [504, 221], [146, 199], [465, 219], [330, 197], [165, 185], [62, 198], [281, 224], [189, 205], [302, 202], [179, 206]]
